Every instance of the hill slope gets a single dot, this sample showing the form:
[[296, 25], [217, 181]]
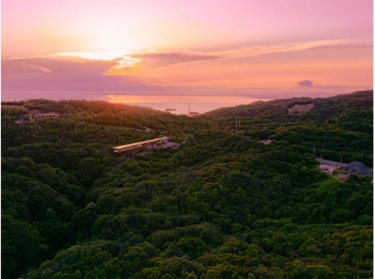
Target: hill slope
[[222, 206], [339, 127]]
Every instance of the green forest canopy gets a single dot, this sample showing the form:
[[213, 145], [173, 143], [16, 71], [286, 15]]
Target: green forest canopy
[[221, 206]]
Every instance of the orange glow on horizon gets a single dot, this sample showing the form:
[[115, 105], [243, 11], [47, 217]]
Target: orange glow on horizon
[[138, 99]]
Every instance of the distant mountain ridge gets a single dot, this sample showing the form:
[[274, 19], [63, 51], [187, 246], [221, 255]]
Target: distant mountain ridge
[[359, 98]]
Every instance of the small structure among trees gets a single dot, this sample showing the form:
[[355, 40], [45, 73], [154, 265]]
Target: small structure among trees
[[298, 109], [265, 141], [343, 169], [36, 115], [147, 145], [357, 168]]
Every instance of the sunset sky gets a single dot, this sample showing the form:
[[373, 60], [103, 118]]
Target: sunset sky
[[106, 49]]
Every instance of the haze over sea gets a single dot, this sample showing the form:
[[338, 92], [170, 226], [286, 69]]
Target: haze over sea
[[183, 104]]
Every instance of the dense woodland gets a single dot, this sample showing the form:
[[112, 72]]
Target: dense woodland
[[223, 205]]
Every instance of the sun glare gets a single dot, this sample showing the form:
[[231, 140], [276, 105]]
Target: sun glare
[[127, 62], [119, 99], [123, 61]]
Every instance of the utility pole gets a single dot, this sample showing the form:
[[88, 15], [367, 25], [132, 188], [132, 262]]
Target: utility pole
[[341, 164], [236, 125]]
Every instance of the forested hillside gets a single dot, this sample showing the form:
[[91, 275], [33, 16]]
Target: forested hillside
[[223, 205]]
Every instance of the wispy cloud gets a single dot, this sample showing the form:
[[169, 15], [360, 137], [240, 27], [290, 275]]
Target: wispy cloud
[[172, 58], [292, 47]]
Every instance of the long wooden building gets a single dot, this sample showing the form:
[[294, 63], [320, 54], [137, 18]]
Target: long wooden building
[[152, 143]]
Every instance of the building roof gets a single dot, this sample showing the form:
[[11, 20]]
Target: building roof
[[357, 168], [139, 143], [265, 142], [49, 113]]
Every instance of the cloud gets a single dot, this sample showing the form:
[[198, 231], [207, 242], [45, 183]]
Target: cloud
[[24, 69], [164, 59], [41, 69], [56, 75], [172, 58], [292, 47], [305, 83]]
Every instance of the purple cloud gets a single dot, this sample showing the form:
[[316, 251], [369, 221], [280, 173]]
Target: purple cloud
[[172, 58], [56, 75], [305, 83]]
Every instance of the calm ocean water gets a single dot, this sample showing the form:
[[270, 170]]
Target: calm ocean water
[[182, 104]]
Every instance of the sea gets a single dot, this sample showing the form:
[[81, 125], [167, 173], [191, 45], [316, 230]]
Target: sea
[[183, 104]]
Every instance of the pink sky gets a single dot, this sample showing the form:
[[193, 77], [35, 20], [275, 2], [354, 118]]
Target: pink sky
[[256, 48]]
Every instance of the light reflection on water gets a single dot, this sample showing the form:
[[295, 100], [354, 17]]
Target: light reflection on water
[[182, 104]]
